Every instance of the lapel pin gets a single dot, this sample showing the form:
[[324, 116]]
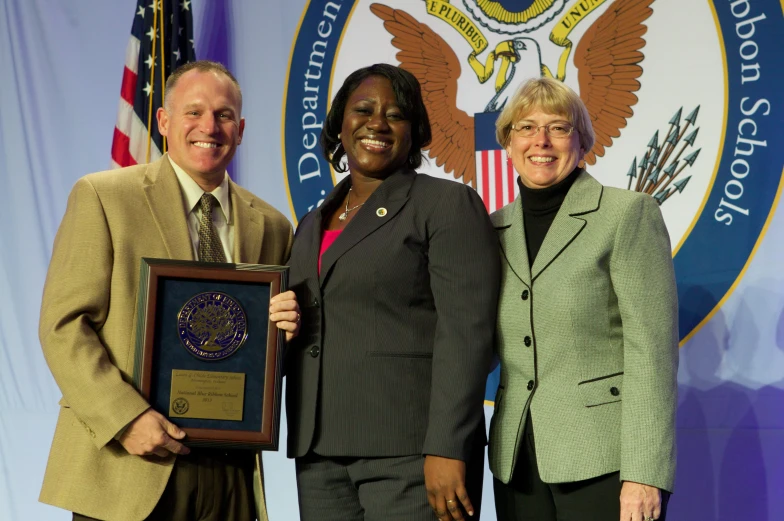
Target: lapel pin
[[381, 212]]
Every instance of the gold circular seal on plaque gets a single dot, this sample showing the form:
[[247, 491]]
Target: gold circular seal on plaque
[[212, 325], [180, 406]]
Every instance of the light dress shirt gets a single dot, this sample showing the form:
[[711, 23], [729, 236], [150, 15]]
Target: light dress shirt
[[221, 215]]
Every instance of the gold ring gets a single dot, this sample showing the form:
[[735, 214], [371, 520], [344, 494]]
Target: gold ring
[[451, 501]]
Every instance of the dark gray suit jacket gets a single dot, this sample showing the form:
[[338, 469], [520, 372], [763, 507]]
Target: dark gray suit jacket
[[397, 331]]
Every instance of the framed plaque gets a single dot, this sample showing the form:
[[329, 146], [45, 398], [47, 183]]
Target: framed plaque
[[207, 356]]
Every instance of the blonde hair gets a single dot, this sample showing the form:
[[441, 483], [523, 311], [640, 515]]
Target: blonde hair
[[551, 96]]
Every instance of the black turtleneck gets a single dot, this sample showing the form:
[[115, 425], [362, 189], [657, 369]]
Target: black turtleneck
[[540, 205]]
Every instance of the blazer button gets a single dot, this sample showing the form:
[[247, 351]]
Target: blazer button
[[530, 385], [527, 341], [314, 351], [315, 302], [614, 391], [524, 296]]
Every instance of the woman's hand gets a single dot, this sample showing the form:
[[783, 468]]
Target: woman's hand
[[284, 313], [446, 491], [640, 502]]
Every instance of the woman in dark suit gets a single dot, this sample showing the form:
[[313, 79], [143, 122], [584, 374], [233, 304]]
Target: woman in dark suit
[[584, 422], [397, 275]]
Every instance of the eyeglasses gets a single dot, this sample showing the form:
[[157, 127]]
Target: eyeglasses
[[554, 130]]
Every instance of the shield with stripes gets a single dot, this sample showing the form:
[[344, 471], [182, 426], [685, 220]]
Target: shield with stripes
[[496, 179]]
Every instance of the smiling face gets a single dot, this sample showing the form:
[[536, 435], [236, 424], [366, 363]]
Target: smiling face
[[375, 134], [202, 124], [541, 160]]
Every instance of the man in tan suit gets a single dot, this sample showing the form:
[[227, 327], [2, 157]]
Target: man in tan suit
[[114, 458]]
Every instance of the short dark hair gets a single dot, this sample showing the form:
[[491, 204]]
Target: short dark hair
[[201, 66], [408, 95]]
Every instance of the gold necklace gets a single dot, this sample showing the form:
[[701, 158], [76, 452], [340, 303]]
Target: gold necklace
[[342, 217]]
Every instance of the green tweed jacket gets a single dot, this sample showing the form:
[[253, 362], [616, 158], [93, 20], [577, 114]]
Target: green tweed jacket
[[588, 340]]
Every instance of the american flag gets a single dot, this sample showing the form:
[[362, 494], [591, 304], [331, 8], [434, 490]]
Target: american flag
[[161, 40], [496, 178]]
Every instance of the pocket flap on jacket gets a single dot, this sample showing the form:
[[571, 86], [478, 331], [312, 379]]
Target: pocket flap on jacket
[[602, 390]]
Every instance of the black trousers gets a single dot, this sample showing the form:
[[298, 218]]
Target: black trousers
[[374, 489], [206, 485], [527, 498]]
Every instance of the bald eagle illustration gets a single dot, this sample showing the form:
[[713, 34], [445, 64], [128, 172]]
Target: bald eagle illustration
[[607, 59]]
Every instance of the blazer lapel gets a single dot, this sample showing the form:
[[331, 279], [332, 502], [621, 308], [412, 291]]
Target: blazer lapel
[[314, 238], [248, 227], [583, 197], [511, 234], [164, 199], [312, 258], [389, 199]]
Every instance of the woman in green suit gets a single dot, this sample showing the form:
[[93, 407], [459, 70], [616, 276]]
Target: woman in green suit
[[587, 330]]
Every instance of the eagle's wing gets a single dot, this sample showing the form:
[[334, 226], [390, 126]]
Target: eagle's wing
[[427, 56], [607, 60]]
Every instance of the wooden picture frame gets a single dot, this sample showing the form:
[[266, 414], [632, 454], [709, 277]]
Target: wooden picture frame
[[167, 289]]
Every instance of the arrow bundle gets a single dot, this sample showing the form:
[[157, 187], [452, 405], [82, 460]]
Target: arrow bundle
[[657, 171]]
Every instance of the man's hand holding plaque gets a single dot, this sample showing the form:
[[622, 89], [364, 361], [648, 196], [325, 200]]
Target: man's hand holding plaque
[[152, 434]]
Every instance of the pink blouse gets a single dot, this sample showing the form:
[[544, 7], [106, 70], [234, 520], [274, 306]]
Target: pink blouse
[[327, 238]]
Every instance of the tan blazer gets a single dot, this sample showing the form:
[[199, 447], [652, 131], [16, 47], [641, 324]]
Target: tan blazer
[[588, 340], [112, 220]]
